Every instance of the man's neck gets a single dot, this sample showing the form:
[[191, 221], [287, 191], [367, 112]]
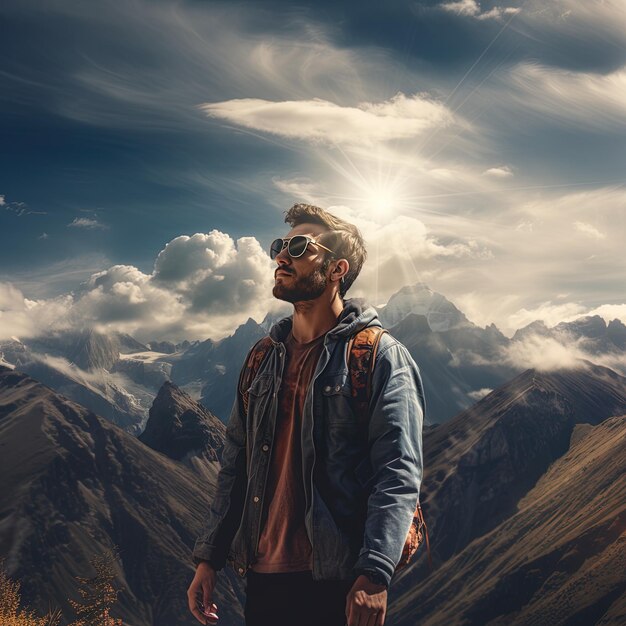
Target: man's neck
[[313, 318]]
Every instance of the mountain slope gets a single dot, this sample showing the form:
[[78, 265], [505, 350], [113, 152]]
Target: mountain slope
[[73, 485], [559, 559], [482, 462]]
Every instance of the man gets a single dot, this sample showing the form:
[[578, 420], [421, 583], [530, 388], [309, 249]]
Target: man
[[313, 511]]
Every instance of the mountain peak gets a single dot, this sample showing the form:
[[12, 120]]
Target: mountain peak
[[180, 427], [418, 298]]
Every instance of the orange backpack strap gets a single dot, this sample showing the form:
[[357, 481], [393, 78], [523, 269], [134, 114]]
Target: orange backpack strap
[[361, 356], [253, 362]]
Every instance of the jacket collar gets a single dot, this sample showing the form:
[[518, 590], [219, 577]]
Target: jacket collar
[[355, 316]]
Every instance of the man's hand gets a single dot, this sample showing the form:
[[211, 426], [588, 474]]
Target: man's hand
[[366, 603], [202, 587]]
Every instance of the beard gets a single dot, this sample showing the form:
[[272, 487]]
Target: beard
[[304, 288]]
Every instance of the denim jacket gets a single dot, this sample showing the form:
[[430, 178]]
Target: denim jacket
[[361, 477]]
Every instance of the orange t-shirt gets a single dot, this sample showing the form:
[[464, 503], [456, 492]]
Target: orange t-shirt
[[284, 544]]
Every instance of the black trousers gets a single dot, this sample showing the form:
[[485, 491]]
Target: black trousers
[[294, 599]]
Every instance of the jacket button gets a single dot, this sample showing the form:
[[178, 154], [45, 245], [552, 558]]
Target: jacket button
[[338, 387], [327, 388], [241, 570], [256, 498], [265, 448]]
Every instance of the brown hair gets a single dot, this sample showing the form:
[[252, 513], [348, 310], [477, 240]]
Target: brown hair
[[343, 238]]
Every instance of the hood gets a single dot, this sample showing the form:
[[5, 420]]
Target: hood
[[356, 315]]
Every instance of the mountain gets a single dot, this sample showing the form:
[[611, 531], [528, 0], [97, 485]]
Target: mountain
[[115, 399], [218, 391], [73, 485], [458, 366], [87, 349], [185, 431], [558, 559], [480, 468], [591, 334], [440, 313], [459, 361]]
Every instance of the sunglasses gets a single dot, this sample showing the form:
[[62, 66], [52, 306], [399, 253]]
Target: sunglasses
[[296, 246]]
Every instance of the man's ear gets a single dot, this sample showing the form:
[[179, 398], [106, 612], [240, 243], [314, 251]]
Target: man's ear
[[341, 268]]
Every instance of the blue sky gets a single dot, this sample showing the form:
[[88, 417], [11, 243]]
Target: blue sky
[[480, 147]]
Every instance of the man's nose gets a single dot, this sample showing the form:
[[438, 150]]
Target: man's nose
[[283, 258]]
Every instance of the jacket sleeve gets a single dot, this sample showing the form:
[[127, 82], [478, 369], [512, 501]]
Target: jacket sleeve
[[397, 409], [226, 508]]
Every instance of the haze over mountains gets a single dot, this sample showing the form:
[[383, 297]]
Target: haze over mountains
[[118, 377]]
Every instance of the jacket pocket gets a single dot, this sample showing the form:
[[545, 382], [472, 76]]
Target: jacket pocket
[[336, 394]]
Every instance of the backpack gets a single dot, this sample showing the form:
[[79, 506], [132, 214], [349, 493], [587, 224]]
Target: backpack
[[361, 354]]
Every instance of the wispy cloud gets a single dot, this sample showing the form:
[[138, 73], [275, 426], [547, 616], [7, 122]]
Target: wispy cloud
[[590, 230], [87, 223], [18, 208], [503, 171], [594, 100], [471, 8], [401, 117]]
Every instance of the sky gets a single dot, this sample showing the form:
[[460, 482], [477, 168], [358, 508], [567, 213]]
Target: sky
[[150, 149]]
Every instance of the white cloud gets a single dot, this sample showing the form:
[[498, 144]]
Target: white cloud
[[550, 313], [299, 188], [87, 223], [498, 12], [479, 394], [319, 120], [43, 236], [544, 354], [590, 230], [202, 286], [2, 201], [471, 8], [401, 251], [463, 7], [503, 171]]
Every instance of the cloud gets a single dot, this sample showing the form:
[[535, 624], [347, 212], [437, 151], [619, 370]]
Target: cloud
[[544, 354], [202, 286], [471, 8], [596, 101], [87, 223], [479, 394], [43, 236], [22, 317], [18, 208], [318, 120], [503, 171], [548, 312], [590, 230]]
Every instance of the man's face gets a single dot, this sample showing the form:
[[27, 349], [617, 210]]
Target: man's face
[[305, 277]]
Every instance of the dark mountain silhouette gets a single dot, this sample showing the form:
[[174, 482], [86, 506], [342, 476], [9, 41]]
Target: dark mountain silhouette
[[73, 485], [185, 431], [482, 464]]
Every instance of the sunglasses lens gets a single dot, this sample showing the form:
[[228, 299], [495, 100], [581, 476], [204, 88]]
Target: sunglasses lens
[[275, 248], [297, 245]]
